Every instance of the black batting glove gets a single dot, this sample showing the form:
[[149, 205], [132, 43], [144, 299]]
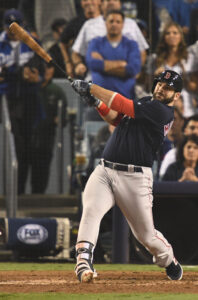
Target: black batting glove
[[90, 100], [82, 87]]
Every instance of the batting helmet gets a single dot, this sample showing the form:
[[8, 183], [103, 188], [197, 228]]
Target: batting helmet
[[172, 78]]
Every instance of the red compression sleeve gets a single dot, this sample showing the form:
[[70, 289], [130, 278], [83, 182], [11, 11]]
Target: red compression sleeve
[[123, 105], [103, 109]]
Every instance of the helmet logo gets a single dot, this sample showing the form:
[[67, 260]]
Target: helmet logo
[[168, 75]]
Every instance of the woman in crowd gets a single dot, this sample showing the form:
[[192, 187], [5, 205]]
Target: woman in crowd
[[172, 53], [186, 166]]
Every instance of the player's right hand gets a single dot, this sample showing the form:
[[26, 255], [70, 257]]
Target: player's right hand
[[90, 100]]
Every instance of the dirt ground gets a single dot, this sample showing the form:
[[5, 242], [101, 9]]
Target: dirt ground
[[107, 282]]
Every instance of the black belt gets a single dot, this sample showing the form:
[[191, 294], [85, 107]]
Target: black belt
[[120, 167]]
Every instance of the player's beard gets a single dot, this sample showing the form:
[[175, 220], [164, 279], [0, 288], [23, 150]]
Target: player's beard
[[164, 100]]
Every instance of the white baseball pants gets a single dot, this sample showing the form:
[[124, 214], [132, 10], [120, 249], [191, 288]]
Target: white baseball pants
[[132, 192]]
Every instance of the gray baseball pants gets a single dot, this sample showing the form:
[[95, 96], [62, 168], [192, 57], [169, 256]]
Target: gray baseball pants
[[132, 192]]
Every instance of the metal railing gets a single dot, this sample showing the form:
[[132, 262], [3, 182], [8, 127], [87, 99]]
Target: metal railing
[[10, 164]]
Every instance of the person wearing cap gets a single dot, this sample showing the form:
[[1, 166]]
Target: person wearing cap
[[124, 175], [21, 73]]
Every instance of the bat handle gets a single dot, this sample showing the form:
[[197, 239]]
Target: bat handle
[[61, 69]]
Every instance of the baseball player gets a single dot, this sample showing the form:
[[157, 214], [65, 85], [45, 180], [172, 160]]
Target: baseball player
[[124, 174]]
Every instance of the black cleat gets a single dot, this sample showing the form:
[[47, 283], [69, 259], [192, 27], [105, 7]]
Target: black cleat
[[174, 271]]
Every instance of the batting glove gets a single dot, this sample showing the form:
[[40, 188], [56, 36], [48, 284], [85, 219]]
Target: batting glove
[[90, 100], [82, 87]]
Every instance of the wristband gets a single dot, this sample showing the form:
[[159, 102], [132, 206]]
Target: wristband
[[103, 109]]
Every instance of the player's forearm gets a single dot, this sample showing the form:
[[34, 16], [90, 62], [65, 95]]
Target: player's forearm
[[101, 93], [113, 100], [107, 114]]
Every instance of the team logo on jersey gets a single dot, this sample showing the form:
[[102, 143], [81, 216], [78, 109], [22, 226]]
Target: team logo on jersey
[[168, 75], [167, 127]]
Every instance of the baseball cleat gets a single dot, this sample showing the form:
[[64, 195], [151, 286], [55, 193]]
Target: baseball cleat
[[174, 271], [85, 271]]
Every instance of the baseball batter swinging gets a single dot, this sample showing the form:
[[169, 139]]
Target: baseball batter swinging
[[124, 175]]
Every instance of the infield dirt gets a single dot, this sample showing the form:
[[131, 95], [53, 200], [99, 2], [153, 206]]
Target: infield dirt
[[107, 282]]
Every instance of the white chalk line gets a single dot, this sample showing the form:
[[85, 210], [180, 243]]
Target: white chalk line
[[103, 282]]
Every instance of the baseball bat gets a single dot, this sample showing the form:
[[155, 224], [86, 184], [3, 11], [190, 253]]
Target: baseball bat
[[24, 37]]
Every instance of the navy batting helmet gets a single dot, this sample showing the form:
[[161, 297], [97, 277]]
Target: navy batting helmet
[[172, 78]]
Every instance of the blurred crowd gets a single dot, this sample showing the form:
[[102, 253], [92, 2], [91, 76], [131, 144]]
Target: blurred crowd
[[120, 45]]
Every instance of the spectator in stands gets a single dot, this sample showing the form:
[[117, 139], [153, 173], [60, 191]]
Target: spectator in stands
[[21, 76], [56, 50], [90, 9], [39, 16], [186, 166], [43, 139], [5, 5], [114, 60], [190, 127], [96, 28], [172, 53]]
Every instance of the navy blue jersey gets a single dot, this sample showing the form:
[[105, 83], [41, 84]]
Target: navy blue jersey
[[135, 141]]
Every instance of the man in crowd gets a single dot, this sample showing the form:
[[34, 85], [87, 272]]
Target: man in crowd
[[43, 138], [95, 28], [114, 60], [20, 80]]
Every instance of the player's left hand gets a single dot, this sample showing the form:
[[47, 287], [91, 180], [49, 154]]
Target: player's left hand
[[82, 87]]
